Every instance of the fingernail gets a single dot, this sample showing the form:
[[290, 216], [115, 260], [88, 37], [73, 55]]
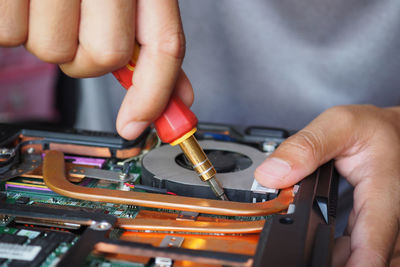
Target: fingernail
[[133, 129], [274, 169]]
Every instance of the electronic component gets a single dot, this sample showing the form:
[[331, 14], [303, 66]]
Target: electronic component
[[72, 210], [22, 200], [48, 242], [13, 239], [166, 167], [54, 177], [78, 142], [9, 239]]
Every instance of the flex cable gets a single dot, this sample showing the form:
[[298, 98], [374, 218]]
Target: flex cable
[[54, 177]]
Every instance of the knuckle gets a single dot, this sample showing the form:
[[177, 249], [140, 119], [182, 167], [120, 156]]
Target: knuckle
[[347, 114], [109, 57], [74, 70], [112, 59], [56, 57], [353, 114], [12, 38], [173, 43], [51, 53]]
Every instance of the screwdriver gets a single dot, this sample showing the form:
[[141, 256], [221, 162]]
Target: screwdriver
[[176, 126]]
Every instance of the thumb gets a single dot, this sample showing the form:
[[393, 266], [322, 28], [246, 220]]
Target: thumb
[[302, 153]]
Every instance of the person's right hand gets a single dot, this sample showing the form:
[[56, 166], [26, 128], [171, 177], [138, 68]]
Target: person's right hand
[[93, 37]]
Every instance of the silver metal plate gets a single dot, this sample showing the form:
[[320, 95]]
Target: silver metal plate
[[29, 163], [171, 241], [168, 241], [187, 216], [103, 174], [161, 163]]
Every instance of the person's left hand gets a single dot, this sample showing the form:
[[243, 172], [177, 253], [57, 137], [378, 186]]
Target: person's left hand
[[365, 143]]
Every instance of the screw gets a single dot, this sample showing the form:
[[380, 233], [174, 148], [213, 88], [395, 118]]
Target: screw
[[269, 146], [4, 218], [6, 151], [122, 175], [100, 226]]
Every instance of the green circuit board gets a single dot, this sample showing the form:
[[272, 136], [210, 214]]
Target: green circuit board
[[33, 192]]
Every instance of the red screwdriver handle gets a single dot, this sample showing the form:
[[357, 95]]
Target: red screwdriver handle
[[124, 74], [176, 120]]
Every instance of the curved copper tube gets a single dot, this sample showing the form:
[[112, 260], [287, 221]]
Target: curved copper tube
[[54, 177], [237, 227]]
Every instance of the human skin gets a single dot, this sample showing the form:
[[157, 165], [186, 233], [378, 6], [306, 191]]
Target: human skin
[[364, 141], [93, 37]]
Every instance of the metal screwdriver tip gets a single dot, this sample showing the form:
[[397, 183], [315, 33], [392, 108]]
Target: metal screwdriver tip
[[217, 189]]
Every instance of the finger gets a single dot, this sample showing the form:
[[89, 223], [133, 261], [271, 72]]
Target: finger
[[53, 29], [13, 22], [303, 152], [374, 246], [106, 37], [374, 172], [134, 129], [376, 211], [351, 222], [160, 34], [341, 251], [395, 261], [184, 89]]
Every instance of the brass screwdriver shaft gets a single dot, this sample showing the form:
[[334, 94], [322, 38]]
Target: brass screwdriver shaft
[[202, 165]]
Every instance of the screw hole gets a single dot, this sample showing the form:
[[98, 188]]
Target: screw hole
[[286, 220]]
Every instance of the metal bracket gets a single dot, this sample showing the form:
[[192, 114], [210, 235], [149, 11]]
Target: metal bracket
[[168, 242], [102, 174], [29, 163], [187, 216]]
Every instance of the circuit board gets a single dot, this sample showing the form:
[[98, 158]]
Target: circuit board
[[127, 214], [33, 192]]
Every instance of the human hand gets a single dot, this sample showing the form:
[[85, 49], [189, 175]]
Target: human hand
[[365, 143], [94, 37]]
